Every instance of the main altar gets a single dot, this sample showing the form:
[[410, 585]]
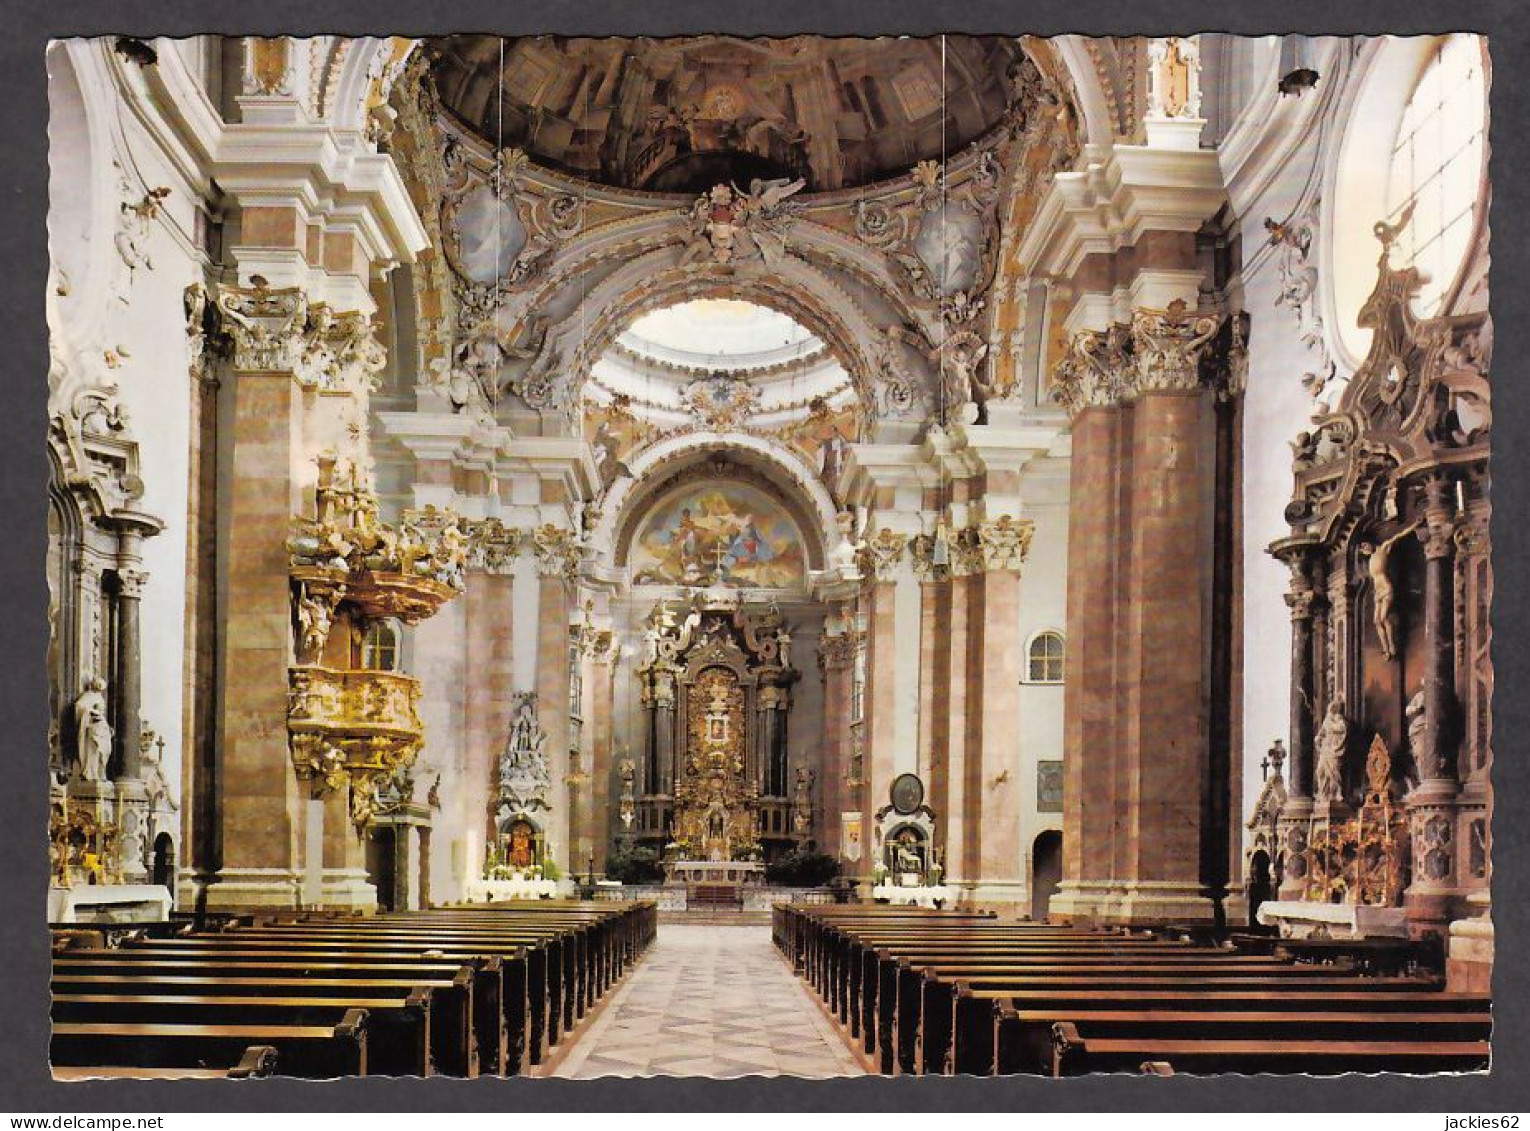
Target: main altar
[[716, 688]]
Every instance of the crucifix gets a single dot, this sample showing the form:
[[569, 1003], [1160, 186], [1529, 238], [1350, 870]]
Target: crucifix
[[721, 552], [1276, 758]]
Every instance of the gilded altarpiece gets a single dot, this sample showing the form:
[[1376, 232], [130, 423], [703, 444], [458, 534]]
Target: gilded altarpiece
[[715, 805], [716, 695]]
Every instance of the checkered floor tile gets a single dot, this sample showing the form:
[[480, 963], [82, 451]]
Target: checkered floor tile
[[710, 1001]]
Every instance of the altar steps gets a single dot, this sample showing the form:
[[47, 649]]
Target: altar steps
[[714, 917]]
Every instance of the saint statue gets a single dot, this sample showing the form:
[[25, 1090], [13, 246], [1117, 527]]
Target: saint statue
[[1414, 713], [1332, 738], [94, 732], [523, 776], [526, 737]]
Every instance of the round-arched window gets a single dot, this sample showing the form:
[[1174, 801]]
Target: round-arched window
[[1436, 168], [1046, 658]]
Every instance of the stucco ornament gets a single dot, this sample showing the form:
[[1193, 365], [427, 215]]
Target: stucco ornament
[[729, 226]]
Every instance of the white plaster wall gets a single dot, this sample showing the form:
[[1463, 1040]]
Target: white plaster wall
[[435, 653], [136, 314], [1043, 606]]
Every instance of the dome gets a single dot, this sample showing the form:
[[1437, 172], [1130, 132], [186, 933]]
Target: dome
[[683, 114], [720, 357]]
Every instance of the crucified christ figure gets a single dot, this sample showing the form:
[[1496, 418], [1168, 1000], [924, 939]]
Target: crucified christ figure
[[1382, 590]]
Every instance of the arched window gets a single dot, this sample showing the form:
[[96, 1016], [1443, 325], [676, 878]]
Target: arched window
[[1046, 658], [379, 647], [1436, 168]]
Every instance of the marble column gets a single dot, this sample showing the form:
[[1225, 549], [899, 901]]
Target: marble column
[[666, 693], [1301, 599], [127, 686], [1092, 733], [1437, 832], [994, 789], [836, 655], [489, 663], [1166, 627], [552, 686], [344, 883], [961, 756], [1167, 633], [600, 695], [885, 564], [262, 804], [1440, 747]]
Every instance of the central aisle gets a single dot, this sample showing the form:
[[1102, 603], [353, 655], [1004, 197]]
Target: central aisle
[[710, 1001]]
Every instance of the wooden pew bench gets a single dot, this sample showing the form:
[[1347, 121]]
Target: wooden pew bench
[[462, 1003], [312, 1051], [1075, 1055]]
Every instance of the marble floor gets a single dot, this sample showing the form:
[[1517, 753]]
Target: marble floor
[[710, 1001]]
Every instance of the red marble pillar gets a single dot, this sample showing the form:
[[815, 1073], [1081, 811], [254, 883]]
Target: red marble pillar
[[960, 864], [881, 704], [553, 606], [1090, 738], [261, 804], [1167, 629], [489, 662], [994, 790], [834, 658], [599, 694]]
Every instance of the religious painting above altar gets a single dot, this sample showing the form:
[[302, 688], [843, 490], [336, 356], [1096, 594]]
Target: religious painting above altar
[[722, 534]]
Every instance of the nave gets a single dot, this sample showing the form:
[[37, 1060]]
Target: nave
[[714, 1001]]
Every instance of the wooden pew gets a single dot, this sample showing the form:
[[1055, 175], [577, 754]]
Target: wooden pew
[[1074, 1055], [258, 1061], [311, 1051], [457, 993], [935, 994], [442, 988], [398, 1030]]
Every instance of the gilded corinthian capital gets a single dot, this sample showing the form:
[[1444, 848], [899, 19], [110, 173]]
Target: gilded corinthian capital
[[1093, 373], [557, 551], [1168, 346]]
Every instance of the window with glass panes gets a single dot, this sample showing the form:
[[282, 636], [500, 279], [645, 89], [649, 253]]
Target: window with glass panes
[[1047, 658], [1437, 168]]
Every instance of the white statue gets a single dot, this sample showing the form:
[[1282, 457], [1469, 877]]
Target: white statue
[[1332, 738], [523, 774], [94, 732], [155, 783], [1416, 717]]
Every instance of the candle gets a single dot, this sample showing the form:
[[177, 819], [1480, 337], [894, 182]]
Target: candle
[[1460, 496]]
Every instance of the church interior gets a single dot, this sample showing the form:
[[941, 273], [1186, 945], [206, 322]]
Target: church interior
[[984, 536]]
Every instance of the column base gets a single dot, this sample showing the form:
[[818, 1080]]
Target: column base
[[1006, 895], [1469, 956], [1081, 901], [347, 889], [1147, 902], [242, 889], [1134, 903]]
